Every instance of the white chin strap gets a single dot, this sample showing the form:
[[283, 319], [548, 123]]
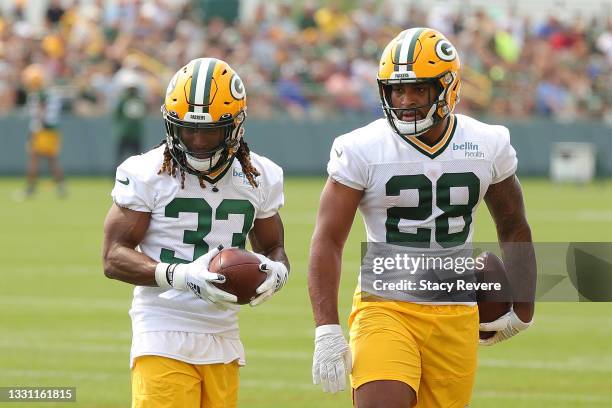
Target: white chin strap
[[203, 164], [413, 128]]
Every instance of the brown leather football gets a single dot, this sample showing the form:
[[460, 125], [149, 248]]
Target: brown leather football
[[492, 304], [241, 271]]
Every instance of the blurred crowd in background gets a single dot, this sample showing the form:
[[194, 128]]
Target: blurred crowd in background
[[308, 60]]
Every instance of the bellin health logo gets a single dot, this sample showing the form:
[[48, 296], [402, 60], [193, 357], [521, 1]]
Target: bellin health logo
[[470, 149]]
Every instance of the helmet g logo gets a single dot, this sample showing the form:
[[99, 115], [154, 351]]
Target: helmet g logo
[[237, 88], [445, 51]]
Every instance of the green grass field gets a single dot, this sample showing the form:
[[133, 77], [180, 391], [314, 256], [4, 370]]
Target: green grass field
[[64, 324]]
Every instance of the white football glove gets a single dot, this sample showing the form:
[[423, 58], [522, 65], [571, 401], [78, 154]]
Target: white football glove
[[505, 327], [331, 361], [195, 277], [277, 277]]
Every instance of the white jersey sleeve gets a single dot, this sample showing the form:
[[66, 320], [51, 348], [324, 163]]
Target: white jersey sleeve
[[505, 161], [271, 184], [345, 164], [130, 190]]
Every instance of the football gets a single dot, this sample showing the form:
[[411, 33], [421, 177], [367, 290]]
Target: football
[[241, 271], [492, 304]]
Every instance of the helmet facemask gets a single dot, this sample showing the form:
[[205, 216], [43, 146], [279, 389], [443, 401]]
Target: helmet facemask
[[209, 164], [436, 108]]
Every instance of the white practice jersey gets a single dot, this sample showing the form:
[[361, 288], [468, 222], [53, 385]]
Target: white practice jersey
[[185, 224], [420, 196]]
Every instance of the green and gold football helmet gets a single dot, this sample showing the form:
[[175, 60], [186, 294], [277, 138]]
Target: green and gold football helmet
[[205, 94], [420, 55]]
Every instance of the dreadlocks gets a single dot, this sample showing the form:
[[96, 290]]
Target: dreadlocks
[[170, 165], [244, 157]]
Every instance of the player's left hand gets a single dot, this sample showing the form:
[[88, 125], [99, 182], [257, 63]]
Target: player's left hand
[[331, 361], [277, 277], [505, 327]]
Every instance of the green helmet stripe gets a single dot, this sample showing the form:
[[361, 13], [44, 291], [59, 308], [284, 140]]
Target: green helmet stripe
[[413, 42], [194, 84], [207, 85], [398, 48]]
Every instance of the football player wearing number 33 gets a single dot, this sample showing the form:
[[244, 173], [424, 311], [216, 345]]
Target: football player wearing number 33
[[417, 177], [174, 206]]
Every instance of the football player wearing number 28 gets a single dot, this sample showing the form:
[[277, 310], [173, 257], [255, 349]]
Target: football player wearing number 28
[[174, 207], [417, 178]]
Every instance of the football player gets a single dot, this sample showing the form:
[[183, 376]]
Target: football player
[[174, 208], [417, 177], [45, 140]]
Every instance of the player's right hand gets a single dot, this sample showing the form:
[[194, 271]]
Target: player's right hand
[[332, 358], [196, 277], [506, 326]]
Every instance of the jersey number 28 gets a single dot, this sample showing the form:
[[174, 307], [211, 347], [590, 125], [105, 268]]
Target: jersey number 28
[[422, 237]]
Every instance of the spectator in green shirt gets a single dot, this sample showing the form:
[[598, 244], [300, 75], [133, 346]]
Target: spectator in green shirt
[[129, 116]]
